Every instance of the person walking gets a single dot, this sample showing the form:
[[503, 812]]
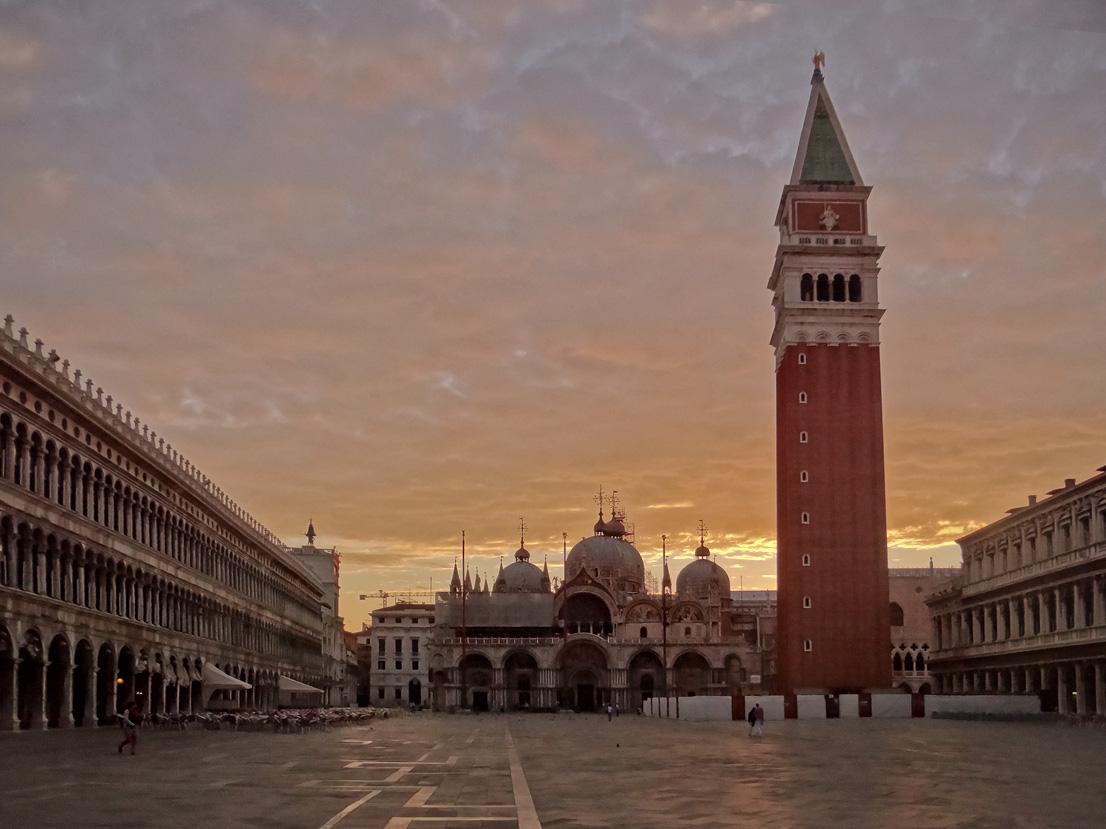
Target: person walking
[[130, 721], [610, 710], [758, 724], [752, 718]]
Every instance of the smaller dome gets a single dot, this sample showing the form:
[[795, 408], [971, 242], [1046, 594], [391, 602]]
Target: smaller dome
[[522, 554], [520, 577], [701, 578], [599, 525], [614, 527], [702, 551]]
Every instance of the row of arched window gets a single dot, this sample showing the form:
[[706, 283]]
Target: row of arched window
[[41, 563], [63, 476], [824, 289]]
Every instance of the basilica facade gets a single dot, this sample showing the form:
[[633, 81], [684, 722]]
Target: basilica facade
[[598, 638]]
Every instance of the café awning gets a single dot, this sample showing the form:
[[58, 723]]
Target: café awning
[[215, 680], [294, 686]]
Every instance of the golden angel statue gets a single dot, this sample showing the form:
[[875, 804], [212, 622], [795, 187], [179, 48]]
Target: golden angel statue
[[819, 60]]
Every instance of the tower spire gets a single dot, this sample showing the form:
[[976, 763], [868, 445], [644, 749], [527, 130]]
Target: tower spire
[[824, 156]]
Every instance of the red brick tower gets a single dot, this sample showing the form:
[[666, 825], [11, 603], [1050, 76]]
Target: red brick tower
[[834, 624]]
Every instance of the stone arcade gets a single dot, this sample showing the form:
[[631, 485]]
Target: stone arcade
[[124, 571]]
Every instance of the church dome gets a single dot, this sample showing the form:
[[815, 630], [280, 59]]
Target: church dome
[[617, 561], [699, 577], [520, 577]]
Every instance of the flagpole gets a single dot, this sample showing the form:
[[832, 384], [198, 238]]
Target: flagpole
[[664, 622], [464, 592]]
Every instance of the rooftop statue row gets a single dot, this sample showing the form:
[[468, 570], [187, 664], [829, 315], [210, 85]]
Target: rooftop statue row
[[80, 391]]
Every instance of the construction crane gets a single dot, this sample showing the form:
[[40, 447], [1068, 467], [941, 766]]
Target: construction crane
[[397, 596]]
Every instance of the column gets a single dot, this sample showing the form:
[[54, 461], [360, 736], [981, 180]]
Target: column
[[1080, 692], [1099, 605], [65, 720], [1079, 604], [89, 681], [1057, 596], [1100, 688], [1063, 694]]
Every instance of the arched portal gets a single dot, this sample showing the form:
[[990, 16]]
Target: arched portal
[[414, 692], [29, 682], [105, 684], [692, 674], [645, 677], [83, 683], [124, 683], [157, 690], [735, 673], [477, 678], [7, 676], [587, 613], [521, 669], [585, 684], [57, 677]]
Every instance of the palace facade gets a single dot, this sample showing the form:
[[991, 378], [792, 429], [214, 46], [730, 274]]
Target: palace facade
[[125, 573], [1028, 613]]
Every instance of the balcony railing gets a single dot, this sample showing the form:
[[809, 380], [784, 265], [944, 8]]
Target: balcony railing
[[1092, 552], [1058, 638]]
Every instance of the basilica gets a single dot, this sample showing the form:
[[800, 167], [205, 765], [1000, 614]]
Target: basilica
[[599, 637]]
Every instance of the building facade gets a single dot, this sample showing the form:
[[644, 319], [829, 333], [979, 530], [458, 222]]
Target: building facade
[[339, 684], [400, 636], [1028, 613], [831, 508], [600, 639], [912, 641], [125, 573]]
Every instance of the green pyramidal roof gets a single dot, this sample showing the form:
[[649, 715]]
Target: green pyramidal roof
[[825, 160]]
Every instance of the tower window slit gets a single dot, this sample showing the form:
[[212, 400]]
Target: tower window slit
[[802, 359], [854, 288], [802, 437], [806, 288], [802, 397], [838, 288]]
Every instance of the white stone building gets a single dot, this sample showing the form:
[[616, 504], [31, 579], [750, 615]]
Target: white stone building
[[124, 571], [1028, 613], [400, 635]]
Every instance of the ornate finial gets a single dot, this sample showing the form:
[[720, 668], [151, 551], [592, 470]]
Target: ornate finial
[[614, 505], [38, 347], [522, 528], [311, 531], [600, 499], [23, 332], [8, 321], [702, 531]]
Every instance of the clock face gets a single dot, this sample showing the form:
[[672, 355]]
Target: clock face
[[828, 216]]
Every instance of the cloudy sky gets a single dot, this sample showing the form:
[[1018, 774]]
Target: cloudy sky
[[415, 267]]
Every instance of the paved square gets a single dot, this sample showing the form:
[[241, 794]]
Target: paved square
[[566, 770]]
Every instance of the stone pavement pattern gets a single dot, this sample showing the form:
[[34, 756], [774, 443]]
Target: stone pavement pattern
[[436, 771]]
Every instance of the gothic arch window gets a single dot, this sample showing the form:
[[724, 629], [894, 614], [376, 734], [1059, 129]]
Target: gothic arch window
[[854, 288], [823, 288], [896, 615], [806, 288], [838, 288], [908, 662], [919, 663], [896, 662], [806, 560]]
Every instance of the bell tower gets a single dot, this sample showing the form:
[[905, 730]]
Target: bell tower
[[833, 611]]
